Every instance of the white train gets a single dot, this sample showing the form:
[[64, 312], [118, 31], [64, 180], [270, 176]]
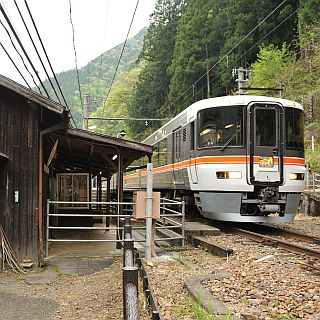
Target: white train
[[237, 158]]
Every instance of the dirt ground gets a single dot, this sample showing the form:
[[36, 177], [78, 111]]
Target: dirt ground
[[50, 294]]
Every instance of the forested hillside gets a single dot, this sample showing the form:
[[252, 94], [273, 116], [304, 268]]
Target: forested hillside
[[189, 52], [192, 46], [96, 76]]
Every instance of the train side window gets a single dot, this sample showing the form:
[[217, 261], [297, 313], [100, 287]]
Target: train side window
[[294, 128], [192, 144]]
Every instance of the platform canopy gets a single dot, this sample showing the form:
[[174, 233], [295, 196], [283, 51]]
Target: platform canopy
[[76, 149]]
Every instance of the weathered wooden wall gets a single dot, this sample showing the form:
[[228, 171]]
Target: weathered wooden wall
[[19, 140]]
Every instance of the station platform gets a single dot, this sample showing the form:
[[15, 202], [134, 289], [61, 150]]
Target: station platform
[[193, 228]]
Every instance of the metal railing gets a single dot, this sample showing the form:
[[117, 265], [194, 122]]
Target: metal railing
[[50, 227], [172, 217], [171, 212]]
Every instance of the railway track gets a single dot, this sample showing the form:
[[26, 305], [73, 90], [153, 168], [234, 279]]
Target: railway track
[[275, 242], [285, 233], [258, 234]]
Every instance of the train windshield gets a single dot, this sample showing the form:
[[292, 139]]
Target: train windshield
[[294, 128], [220, 126]]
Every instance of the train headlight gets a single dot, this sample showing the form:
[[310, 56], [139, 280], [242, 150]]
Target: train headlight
[[296, 176], [229, 174]]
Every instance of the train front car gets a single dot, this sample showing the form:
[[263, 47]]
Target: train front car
[[246, 158]]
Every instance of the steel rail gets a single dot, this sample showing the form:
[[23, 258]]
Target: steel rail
[[300, 236], [295, 248]]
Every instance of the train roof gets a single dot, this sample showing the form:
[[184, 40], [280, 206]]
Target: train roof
[[190, 113]]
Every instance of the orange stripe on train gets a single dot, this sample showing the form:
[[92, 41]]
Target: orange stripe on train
[[215, 160]]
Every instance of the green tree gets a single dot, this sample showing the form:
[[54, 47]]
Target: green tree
[[153, 83], [272, 69], [219, 33], [119, 100]]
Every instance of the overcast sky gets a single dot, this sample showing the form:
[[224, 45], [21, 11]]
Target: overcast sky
[[99, 25]]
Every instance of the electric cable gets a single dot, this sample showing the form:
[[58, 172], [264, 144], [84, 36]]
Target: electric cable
[[22, 48], [35, 48], [75, 58], [101, 57], [49, 62], [45, 52], [233, 65], [21, 75], [116, 70], [23, 62]]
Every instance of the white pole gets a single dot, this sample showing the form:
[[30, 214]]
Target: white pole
[[149, 210], [312, 143]]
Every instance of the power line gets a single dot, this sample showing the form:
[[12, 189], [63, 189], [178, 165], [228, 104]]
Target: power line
[[101, 57], [45, 52], [75, 57], [35, 48], [221, 59], [116, 70], [258, 42], [49, 62], [22, 48], [8, 55], [15, 48]]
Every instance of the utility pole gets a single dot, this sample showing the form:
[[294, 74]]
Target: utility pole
[[86, 108], [242, 78]]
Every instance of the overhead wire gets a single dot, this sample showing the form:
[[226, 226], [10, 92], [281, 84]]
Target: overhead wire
[[221, 59], [75, 57], [45, 52], [101, 56], [258, 42], [48, 60], [14, 64], [19, 54], [22, 48], [120, 57], [36, 50]]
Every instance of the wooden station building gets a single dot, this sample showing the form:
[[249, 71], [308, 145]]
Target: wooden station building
[[42, 156]]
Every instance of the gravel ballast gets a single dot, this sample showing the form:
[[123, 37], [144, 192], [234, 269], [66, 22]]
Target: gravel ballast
[[263, 282]]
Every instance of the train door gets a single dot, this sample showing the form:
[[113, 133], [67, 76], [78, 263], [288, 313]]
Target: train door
[[193, 155], [177, 156], [265, 145]]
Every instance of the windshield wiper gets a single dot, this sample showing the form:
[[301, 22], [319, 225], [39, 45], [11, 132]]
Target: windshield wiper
[[230, 139]]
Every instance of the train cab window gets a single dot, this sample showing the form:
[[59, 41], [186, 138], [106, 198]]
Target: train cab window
[[266, 127], [294, 128], [219, 125]]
